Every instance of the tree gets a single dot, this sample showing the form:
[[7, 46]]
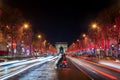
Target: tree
[[108, 15], [10, 22]]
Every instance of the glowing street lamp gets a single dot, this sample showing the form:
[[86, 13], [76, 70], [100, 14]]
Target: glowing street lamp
[[39, 36], [26, 26], [94, 26], [27, 37], [84, 35]]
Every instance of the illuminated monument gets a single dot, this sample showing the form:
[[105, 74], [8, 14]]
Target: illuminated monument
[[61, 47]]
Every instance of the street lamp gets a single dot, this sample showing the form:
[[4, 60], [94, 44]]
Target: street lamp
[[27, 36], [85, 40], [94, 25], [97, 30], [84, 35], [26, 26], [39, 37]]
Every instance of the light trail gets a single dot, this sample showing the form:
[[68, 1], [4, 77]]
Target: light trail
[[103, 64], [111, 64], [92, 69], [23, 63], [43, 60]]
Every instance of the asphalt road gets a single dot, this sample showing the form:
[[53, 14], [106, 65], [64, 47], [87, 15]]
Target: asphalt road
[[71, 73], [47, 71], [85, 71]]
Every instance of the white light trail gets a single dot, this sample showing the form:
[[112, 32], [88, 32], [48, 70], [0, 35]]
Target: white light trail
[[115, 65], [23, 69]]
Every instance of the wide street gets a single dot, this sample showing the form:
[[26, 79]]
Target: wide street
[[45, 68]]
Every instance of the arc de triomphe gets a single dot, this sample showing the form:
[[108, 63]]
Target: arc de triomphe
[[61, 47]]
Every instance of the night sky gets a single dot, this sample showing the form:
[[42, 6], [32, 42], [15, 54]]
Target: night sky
[[60, 20]]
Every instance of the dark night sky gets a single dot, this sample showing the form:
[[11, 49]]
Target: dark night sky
[[60, 20]]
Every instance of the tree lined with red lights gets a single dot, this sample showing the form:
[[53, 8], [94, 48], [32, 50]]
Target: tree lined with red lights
[[103, 34], [17, 33]]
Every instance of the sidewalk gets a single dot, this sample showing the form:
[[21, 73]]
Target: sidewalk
[[111, 63], [105, 61], [8, 59]]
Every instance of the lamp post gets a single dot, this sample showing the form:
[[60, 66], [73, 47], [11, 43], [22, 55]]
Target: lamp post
[[24, 28], [27, 36], [39, 37], [84, 40], [97, 45], [96, 30], [95, 27]]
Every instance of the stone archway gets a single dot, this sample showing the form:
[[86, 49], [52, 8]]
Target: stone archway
[[61, 47], [61, 50]]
